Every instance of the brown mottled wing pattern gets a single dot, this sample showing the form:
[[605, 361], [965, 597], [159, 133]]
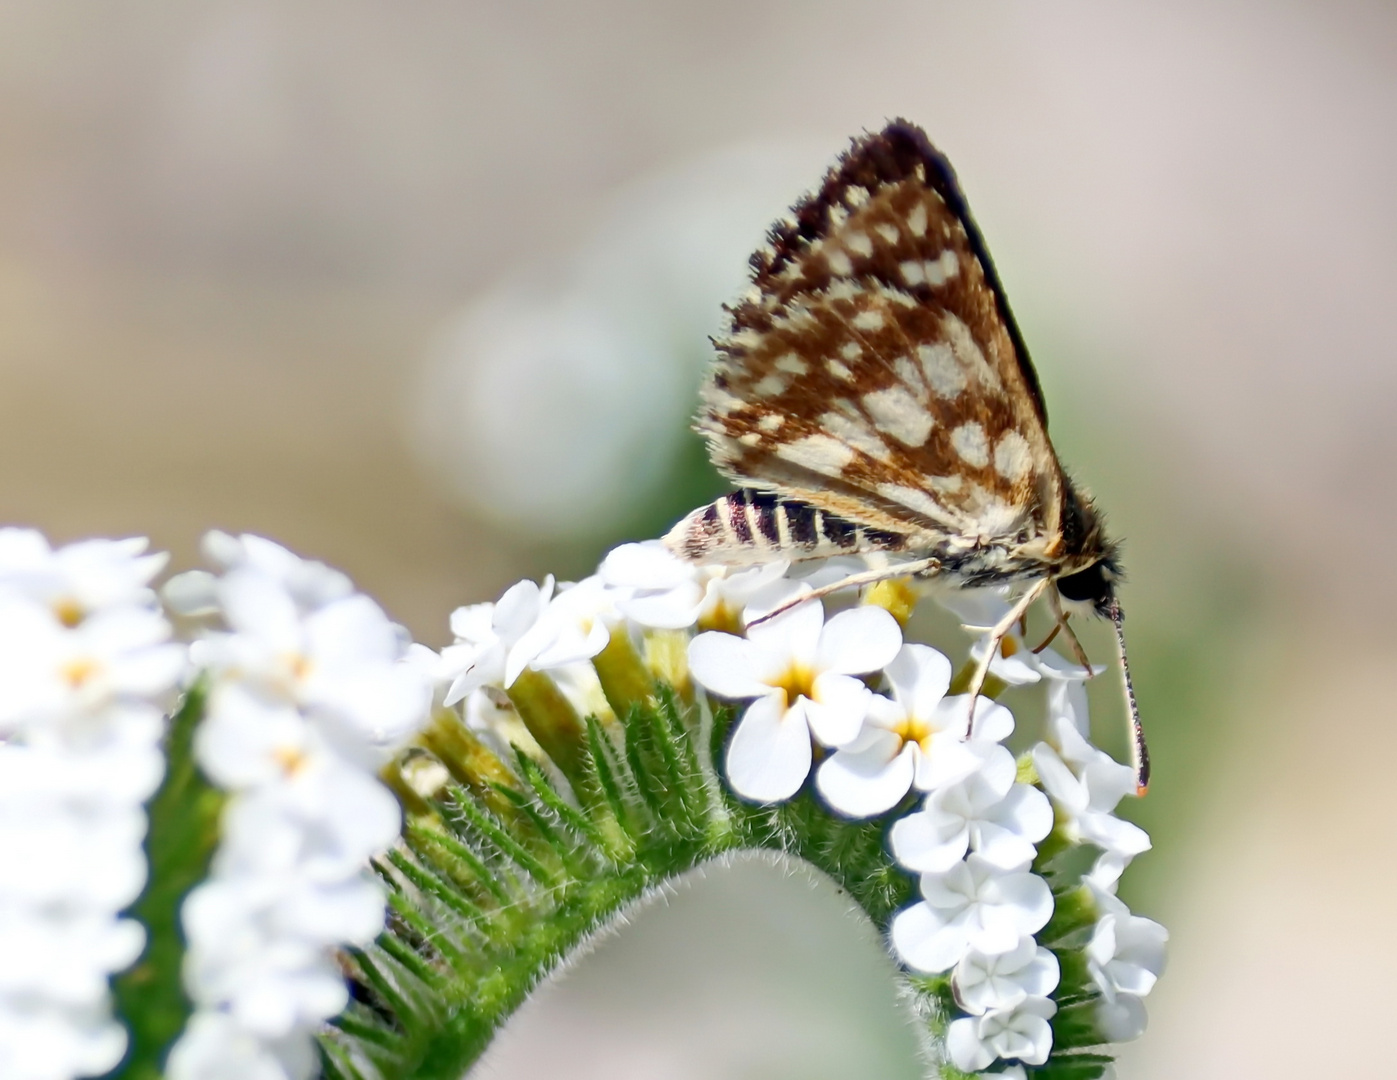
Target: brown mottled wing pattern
[[874, 369]]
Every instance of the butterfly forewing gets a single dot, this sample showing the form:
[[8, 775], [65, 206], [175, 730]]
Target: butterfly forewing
[[874, 370]]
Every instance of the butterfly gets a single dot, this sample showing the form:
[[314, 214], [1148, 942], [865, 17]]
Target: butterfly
[[873, 396]]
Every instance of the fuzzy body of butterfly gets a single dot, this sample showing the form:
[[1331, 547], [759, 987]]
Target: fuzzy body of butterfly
[[873, 396]]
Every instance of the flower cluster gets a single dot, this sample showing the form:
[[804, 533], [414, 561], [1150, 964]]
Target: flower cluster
[[874, 719], [311, 690], [86, 665]]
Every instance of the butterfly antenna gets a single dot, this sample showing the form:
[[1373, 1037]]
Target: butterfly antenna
[[1139, 751]]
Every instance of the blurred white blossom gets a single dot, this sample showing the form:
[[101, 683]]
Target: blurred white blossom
[[312, 688], [86, 669]]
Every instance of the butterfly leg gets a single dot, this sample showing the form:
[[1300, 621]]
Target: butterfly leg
[[867, 577], [996, 636], [1055, 603]]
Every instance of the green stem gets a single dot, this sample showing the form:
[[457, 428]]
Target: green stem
[[181, 839]]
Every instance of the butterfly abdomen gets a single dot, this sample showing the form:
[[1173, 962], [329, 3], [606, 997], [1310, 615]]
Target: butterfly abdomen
[[752, 526]]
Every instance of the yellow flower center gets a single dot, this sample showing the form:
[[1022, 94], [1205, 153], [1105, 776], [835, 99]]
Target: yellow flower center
[[796, 681], [912, 729], [291, 759], [723, 617], [79, 671], [68, 611]]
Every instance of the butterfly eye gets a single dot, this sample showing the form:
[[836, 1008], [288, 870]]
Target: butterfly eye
[[1091, 585]]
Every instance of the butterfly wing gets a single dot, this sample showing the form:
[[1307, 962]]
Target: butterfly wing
[[874, 368]]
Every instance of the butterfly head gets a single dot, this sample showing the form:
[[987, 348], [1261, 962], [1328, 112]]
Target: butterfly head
[[1094, 586]]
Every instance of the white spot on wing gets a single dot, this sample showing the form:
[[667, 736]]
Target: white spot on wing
[[1011, 457], [993, 516], [947, 485], [839, 263], [912, 271], [859, 244], [944, 374], [914, 499], [970, 443], [771, 422], [967, 351], [872, 319], [770, 385], [856, 433], [855, 195], [839, 370], [791, 363], [820, 454], [851, 350], [897, 413], [941, 270], [888, 231], [916, 220], [907, 372]]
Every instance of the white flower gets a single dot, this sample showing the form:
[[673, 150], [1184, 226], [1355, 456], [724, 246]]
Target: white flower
[[1126, 954], [1121, 1020], [915, 739], [77, 579], [85, 666], [41, 1042], [1000, 981], [311, 584], [658, 589], [575, 626], [1086, 784], [801, 671], [50, 671], [344, 661], [1021, 1033], [661, 589], [987, 812], [312, 687], [487, 651], [974, 905], [214, 1046]]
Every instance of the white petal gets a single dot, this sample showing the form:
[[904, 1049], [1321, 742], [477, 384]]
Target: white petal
[[924, 843], [867, 782], [769, 756], [794, 634], [963, 1044], [837, 708], [1058, 780], [921, 676], [727, 665], [647, 565], [858, 641], [999, 846], [1027, 811], [674, 609], [1113, 834], [925, 942], [1029, 896], [1121, 1020]]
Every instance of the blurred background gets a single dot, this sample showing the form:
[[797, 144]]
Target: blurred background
[[423, 290]]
